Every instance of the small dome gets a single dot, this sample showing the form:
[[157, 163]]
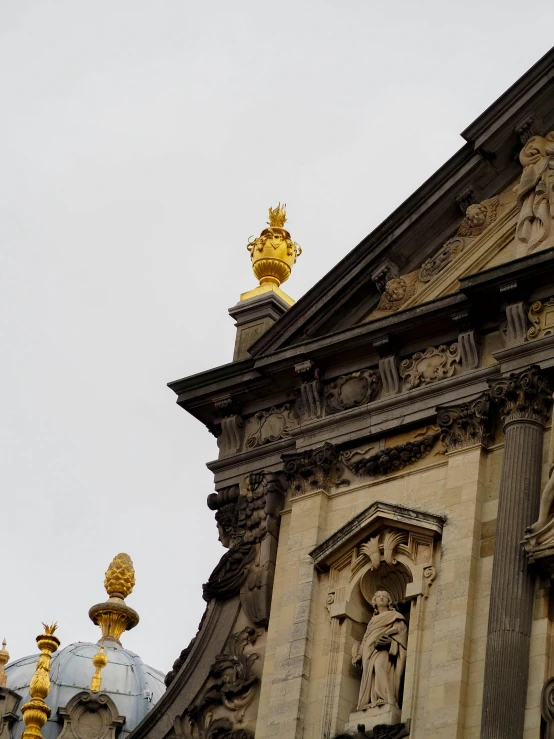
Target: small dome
[[133, 686]]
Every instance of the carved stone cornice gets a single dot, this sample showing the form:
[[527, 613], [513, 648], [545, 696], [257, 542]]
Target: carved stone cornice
[[523, 396], [465, 424], [313, 469]]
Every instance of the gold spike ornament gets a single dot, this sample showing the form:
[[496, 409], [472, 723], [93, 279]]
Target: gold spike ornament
[[4, 657], [273, 253], [114, 616], [100, 660], [36, 712]]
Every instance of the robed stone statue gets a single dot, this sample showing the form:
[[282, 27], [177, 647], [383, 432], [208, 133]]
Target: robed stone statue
[[382, 654]]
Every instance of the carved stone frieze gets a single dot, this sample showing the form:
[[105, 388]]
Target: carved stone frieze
[[397, 292], [535, 193], [313, 469], [248, 566], [435, 363], [478, 217], [541, 316], [465, 424], [270, 425], [349, 391], [525, 395], [449, 251], [389, 459], [90, 715], [219, 710]]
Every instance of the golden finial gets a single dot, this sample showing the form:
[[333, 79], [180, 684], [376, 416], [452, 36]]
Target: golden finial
[[273, 253], [114, 616], [4, 657], [278, 216], [100, 660], [36, 712]]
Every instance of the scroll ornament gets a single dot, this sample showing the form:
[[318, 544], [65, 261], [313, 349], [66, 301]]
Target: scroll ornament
[[431, 365]]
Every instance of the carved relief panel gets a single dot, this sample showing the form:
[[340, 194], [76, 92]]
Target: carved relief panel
[[435, 363]]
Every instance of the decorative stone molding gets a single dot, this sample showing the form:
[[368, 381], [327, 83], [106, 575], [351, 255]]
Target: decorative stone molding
[[349, 391], [219, 711], [388, 369], [430, 365], [535, 193], [9, 701], [384, 273], [310, 390], [389, 459], [270, 425], [229, 440], [433, 266], [90, 715], [547, 707], [541, 316], [516, 323], [465, 424], [523, 396], [314, 469], [248, 566], [469, 349]]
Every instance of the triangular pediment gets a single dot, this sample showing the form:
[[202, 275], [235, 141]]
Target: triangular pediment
[[443, 214]]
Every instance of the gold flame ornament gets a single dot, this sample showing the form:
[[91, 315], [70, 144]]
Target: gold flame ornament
[[100, 660], [4, 657], [114, 616], [36, 712], [273, 253]]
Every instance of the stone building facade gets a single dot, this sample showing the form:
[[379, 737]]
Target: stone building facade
[[382, 480]]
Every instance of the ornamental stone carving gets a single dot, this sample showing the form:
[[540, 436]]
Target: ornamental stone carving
[[229, 440], [523, 396], [389, 459], [397, 292], [248, 566], [535, 193], [539, 538], [219, 711], [465, 424], [384, 273], [541, 316], [314, 469], [430, 365], [547, 707], [90, 715], [449, 251], [349, 391], [9, 701], [270, 425], [311, 389]]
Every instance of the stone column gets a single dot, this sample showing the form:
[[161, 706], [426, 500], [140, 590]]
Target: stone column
[[524, 400]]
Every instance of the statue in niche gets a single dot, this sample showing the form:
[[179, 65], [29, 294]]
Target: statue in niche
[[382, 654]]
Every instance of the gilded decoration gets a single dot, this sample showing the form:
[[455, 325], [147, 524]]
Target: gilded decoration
[[430, 365], [270, 425], [400, 289], [541, 316], [36, 712], [114, 616], [273, 252], [535, 193], [349, 391]]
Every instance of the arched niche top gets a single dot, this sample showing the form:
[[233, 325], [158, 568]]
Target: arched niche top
[[383, 536], [90, 715]]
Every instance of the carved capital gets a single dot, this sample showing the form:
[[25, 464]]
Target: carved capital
[[465, 424], [314, 469], [525, 396]]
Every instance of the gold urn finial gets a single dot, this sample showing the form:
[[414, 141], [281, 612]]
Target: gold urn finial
[[36, 712], [114, 616], [4, 657], [100, 660], [273, 253]]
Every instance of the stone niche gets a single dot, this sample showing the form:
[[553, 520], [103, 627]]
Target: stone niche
[[384, 548]]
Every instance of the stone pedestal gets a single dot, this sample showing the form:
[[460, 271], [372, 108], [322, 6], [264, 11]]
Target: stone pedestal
[[256, 311], [382, 715]]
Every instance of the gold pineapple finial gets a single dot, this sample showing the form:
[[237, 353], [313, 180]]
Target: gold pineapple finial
[[114, 616], [4, 657], [36, 712], [100, 660], [273, 253]]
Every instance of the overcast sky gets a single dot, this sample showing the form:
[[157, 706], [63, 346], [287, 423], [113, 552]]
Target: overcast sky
[[142, 143]]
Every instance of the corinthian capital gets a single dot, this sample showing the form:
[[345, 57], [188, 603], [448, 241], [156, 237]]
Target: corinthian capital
[[465, 424], [525, 396]]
